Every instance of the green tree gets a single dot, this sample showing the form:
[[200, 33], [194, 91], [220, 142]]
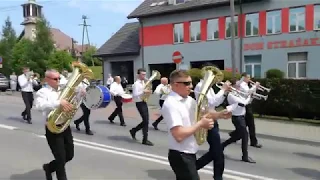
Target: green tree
[[7, 43], [88, 59], [21, 55], [44, 41], [60, 60]]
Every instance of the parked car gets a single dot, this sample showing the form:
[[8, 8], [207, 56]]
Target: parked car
[[4, 83]]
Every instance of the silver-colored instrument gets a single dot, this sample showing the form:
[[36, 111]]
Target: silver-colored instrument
[[260, 87], [234, 91], [29, 74]]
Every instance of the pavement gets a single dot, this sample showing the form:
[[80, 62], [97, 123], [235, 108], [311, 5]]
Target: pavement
[[111, 153]]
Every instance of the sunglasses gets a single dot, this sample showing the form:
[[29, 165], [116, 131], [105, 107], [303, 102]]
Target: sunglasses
[[56, 79], [186, 83]]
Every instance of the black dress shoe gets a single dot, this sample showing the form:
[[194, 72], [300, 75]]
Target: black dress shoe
[[111, 121], [29, 121], [256, 145], [155, 126], [123, 124], [133, 134], [248, 160], [147, 142], [77, 126], [45, 167], [88, 132]]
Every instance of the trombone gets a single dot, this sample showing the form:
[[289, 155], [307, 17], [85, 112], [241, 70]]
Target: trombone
[[260, 87]]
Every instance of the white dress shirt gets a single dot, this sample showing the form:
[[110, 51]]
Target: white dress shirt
[[234, 101], [47, 98], [137, 90], [179, 111], [26, 86], [63, 80], [214, 99], [116, 89], [162, 88], [245, 87], [109, 81]]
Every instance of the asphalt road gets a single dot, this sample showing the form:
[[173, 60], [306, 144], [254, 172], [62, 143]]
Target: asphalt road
[[112, 154]]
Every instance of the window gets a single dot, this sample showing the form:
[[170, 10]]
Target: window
[[297, 65], [178, 33], [195, 31], [317, 17], [273, 22], [252, 24], [297, 19], [228, 26], [252, 65], [213, 29]]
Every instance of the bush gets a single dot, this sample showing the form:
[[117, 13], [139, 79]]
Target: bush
[[274, 73], [290, 98]]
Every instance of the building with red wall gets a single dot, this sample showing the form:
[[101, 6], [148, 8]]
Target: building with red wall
[[270, 34]]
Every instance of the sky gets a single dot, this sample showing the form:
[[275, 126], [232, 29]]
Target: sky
[[105, 16]]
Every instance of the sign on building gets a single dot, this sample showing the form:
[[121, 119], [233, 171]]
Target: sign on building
[[0, 62]]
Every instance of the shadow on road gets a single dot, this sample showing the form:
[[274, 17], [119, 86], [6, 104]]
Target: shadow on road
[[308, 173], [307, 155], [34, 174], [122, 138], [161, 174]]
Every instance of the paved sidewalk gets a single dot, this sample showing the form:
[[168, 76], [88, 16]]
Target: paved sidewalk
[[267, 128]]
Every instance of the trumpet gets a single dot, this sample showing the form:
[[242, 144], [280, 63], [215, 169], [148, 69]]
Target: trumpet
[[234, 91], [260, 87], [259, 96]]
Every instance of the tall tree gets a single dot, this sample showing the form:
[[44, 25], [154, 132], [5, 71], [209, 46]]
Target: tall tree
[[88, 58], [60, 60], [7, 43]]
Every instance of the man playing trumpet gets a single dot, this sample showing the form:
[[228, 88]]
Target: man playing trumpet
[[215, 152], [163, 90]]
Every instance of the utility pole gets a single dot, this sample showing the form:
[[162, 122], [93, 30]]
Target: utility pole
[[233, 57], [85, 30]]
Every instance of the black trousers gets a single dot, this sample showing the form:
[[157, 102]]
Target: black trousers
[[85, 117], [240, 133], [215, 153], [62, 148], [251, 126], [28, 101], [118, 110], [161, 117], [183, 165], [144, 125]]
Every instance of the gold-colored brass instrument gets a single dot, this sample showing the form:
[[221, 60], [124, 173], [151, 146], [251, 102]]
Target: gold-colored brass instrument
[[260, 87], [165, 90], [148, 84], [212, 75], [58, 120]]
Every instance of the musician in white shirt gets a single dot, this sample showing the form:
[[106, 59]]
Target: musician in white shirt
[[244, 86], [238, 120], [26, 83], [61, 145], [109, 81], [215, 152], [85, 110], [138, 90], [178, 111], [117, 91], [163, 90]]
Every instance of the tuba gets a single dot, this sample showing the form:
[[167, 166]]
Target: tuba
[[212, 75], [148, 85], [58, 120]]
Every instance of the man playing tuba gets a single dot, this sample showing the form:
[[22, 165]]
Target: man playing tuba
[[61, 145]]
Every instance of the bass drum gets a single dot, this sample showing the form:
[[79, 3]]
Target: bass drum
[[97, 97]]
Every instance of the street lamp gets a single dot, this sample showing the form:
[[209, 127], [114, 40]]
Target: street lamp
[[232, 30]]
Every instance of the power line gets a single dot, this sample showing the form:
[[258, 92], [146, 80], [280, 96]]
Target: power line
[[85, 31], [16, 7]]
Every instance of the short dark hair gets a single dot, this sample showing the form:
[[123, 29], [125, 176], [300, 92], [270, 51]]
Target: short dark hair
[[244, 74], [233, 81], [141, 70], [178, 74]]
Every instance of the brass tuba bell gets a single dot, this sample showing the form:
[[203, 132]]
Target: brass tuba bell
[[59, 120], [211, 75], [148, 84]]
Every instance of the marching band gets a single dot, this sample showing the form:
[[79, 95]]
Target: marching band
[[178, 109]]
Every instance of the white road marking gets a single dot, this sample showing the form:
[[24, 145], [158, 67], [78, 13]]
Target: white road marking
[[149, 157]]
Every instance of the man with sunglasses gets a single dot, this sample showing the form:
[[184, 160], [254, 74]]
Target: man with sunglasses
[[137, 91], [178, 111], [215, 152], [61, 145]]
